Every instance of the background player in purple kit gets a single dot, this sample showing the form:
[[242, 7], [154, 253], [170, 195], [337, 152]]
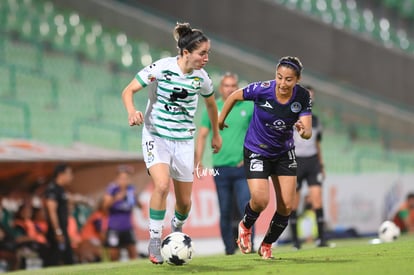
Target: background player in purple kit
[[310, 168], [119, 201], [281, 106]]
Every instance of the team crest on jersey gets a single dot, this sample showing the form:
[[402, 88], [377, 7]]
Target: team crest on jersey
[[296, 107], [196, 83], [151, 78], [150, 157], [265, 84]]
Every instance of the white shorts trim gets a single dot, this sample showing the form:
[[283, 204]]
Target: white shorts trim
[[178, 154]]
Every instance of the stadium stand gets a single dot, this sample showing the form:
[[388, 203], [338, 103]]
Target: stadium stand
[[351, 15], [62, 76]]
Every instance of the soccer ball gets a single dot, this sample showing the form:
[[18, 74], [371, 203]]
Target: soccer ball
[[177, 248], [388, 232]]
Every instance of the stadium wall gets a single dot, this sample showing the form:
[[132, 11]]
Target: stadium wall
[[274, 31]]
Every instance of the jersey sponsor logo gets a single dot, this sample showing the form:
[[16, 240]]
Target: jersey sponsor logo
[[296, 107], [179, 93], [267, 105], [254, 155], [174, 109], [265, 84], [256, 165], [278, 125]]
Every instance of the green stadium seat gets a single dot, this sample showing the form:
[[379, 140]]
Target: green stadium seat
[[347, 14], [406, 9], [75, 94]]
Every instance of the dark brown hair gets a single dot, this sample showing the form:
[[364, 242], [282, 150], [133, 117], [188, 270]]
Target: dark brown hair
[[188, 38], [291, 62]]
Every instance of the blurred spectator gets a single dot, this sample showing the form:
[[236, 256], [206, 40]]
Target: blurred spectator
[[39, 220], [310, 169], [73, 230], [8, 256], [32, 244], [93, 235], [404, 218], [231, 184], [119, 201], [57, 216], [307, 228], [82, 208]]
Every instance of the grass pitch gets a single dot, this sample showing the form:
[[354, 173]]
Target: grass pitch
[[356, 256]]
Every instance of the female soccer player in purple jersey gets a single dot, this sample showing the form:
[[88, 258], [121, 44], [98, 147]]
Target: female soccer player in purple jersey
[[281, 106]]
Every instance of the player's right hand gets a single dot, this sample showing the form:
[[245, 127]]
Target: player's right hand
[[136, 118]]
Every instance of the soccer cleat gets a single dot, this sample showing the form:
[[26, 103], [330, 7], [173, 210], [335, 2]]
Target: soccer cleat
[[321, 243], [265, 251], [175, 228], [244, 239], [154, 251], [297, 245]]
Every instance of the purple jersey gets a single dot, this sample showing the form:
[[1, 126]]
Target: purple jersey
[[121, 210], [270, 132]]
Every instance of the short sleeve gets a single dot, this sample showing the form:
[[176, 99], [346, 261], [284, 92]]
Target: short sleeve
[[249, 92], [112, 189], [51, 193], [207, 89], [306, 103], [149, 74]]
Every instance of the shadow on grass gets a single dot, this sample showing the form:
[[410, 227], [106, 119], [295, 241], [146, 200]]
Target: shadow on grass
[[199, 268], [307, 260]]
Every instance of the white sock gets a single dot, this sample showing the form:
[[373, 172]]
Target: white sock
[[155, 228]]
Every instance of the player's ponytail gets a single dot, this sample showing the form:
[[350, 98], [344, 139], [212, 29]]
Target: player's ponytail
[[188, 38]]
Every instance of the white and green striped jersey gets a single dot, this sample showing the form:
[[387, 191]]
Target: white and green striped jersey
[[172, 98]]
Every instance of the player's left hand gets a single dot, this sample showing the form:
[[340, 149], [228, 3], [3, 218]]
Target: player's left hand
[[300, 127], [216, 143], [135, 118]]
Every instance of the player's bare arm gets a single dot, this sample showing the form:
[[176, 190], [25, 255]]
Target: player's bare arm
[[304, 126], [200, 145], [135, 117], [228, 105], [213, 115]]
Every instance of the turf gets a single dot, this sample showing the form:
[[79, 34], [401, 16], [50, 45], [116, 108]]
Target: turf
[[355, 256]]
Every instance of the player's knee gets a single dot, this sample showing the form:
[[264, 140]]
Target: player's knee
[[162, 189], [285, 209], [258, 206], [183, 204]]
